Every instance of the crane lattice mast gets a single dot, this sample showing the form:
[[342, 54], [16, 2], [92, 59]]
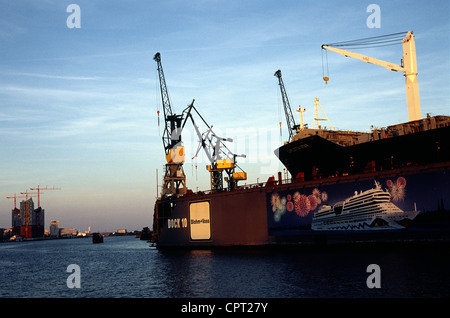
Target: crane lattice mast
[[174, 177], [290, 122]]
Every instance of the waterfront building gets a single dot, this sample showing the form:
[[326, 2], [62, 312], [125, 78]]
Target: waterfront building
[[16, 221], [31, 220], [68, 232], [26, 217], [54, 228], [26, 211], [38, 222]]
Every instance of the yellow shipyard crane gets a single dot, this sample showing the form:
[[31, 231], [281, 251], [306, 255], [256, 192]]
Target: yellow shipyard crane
[[174, 177]]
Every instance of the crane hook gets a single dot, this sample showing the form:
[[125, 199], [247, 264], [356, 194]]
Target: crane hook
[[325, 70]]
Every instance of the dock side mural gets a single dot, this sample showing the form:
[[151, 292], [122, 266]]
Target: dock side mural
[[387, 203]]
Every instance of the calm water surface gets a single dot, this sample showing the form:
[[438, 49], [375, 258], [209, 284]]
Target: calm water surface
[[128, 267]]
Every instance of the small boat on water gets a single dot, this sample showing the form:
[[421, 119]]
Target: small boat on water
[[97, 238]]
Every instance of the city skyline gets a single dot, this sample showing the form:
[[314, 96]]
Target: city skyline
[[78, 106]]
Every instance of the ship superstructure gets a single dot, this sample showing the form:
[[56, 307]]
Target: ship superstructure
[[424, 141]]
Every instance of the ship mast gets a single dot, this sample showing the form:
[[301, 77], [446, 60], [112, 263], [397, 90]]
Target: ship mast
[[316, 118]]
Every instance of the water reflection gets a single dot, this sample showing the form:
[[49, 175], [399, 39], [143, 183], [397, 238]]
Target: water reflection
[[126, 267], [293, 273]]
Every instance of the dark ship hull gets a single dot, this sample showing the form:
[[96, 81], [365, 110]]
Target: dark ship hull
[[280, 213], [316, 157], [413, 166]]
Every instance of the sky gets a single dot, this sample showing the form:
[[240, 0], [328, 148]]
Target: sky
[[78, 105]]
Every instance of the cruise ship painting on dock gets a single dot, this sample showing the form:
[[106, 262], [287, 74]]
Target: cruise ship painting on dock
[[371, 209], [391, 202]]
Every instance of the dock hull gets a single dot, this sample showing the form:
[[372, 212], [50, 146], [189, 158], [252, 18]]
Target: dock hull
[[282, 213]]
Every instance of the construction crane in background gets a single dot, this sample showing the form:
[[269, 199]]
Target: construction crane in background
[[25, 228], [174, 177], [220, 157], [290, 122], [15, 197], [16, 212], [408, 65], [39, 189]]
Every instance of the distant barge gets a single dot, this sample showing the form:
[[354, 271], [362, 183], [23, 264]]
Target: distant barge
[[97, 238]]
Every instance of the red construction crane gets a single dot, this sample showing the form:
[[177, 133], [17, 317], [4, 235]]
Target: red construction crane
[[15, 197], [38, 188]]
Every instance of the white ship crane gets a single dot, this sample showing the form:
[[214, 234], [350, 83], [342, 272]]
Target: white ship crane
[[408, 67], [220, 157]]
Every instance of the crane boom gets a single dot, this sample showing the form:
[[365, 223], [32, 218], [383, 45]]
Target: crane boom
[[164, 93], [172, 131], [39, 189], [15, 197], [214, 149], [364, 58], [174, 177], [290, 122], [408, 67]]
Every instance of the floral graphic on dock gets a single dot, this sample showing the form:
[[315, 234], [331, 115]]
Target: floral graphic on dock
[[397, 189], [300, 203]]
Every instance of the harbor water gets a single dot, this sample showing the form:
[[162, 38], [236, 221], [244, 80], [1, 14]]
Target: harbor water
[[128, 267]]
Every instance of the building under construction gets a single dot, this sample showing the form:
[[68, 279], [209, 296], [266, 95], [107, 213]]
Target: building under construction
[[28, 221]]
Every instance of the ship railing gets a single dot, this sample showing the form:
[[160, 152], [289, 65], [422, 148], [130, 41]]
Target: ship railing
[[257, 185]]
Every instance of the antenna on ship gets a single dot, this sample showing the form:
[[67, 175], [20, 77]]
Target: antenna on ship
[[301, 110]]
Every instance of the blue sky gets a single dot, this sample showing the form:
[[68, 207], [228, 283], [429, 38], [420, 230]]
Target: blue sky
[[78, 107]]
